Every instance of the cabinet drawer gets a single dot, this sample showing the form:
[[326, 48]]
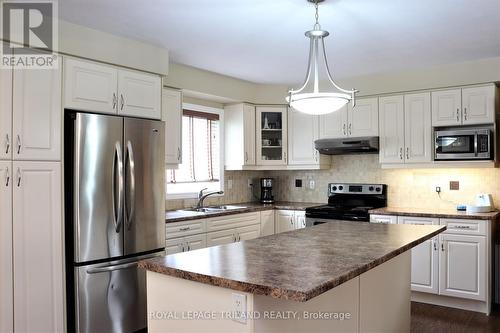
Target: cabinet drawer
[[464, 227], [232, 221], [418, 220], [384, 219], [185, 228]]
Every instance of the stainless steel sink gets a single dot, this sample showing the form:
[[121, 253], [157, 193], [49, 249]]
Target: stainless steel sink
[[214, 209]]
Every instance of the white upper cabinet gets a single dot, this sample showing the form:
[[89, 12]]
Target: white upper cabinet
[[90, 86], [37, 113], [418, 128], [363, 118], [466, 106], [95, 87], [239, 127], [302, 132], [271, 135], [462, 266], [447, 107], [333, 125], [5, 114], [391, 122], [6, 281], [139, 94], [172, 116], [478, 105], [38, 247]]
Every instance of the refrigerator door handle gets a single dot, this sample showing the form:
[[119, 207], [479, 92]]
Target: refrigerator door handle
[[131, 192], [117, 207], [111, 268]]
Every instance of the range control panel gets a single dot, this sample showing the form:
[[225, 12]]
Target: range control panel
[[334, 188]]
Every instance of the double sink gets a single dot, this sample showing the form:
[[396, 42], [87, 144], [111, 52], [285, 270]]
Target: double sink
[[214, 209]]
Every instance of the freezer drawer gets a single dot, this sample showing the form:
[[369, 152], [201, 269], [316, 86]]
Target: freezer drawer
[[111, 297]]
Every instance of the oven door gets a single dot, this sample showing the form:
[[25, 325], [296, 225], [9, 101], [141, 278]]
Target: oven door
[[312, 221], [463, 144]]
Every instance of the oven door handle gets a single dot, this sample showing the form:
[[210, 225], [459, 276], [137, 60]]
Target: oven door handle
[[476, 137]]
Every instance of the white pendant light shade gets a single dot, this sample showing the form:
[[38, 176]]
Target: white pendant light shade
[[308, 98], [319, 103]]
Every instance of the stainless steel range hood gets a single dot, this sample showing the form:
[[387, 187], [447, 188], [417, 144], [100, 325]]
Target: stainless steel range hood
[[363, 145]]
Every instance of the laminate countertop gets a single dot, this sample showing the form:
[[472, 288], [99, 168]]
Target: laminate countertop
[[436, 213], [296, 265], [246, 207]]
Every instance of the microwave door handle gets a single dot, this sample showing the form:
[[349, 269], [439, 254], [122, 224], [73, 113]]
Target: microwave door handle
[[475, 143]]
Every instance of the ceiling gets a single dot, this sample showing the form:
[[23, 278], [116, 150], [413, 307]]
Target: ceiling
[[263, 42]]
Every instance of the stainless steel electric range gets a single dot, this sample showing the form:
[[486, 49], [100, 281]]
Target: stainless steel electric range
[[348, 202]]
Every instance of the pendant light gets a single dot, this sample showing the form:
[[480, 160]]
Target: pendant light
[[308, 98]]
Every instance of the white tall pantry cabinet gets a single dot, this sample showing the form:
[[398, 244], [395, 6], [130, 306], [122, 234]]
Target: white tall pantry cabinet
[[171, 114], [31, 235]]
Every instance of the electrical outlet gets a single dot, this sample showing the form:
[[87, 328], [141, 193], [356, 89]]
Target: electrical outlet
[[250, 182], [239, 308], [312, 184], [298, 182], [229, 184]]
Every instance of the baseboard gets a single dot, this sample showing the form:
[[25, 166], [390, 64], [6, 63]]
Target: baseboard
[[451, 302]]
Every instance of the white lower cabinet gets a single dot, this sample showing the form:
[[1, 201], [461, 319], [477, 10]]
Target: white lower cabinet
[[38, 247], [300, 219], [267, 223], [463, 266], [248, 232], [455, 263], [285, 220], [6, 283], [184, 244], [424, 258], [221, 237]]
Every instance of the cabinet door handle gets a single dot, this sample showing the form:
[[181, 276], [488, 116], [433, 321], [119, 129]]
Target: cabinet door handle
[[442, 247], [284, 155], [182, 247], [246, 156], [350, 128], [184, 228], [343, 130], [407, 153], [18, 144], [401, 153], [465, 113], [7, 143], [458, 115], [179, 154], [235, 238], [122, 101], [7, 177], [435, 245], [462, 226], [114, 100], [189, 247], [18, 177]]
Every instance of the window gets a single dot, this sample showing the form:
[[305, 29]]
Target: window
[[202, 165]]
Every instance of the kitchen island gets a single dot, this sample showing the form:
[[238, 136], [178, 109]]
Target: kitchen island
[[338, 276]]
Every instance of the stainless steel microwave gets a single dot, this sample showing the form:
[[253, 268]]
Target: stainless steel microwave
[[464, 144]]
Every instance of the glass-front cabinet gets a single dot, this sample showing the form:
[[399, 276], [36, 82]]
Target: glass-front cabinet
[[271, 127]]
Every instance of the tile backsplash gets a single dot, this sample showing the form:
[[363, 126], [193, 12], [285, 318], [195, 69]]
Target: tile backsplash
[[407, 187]]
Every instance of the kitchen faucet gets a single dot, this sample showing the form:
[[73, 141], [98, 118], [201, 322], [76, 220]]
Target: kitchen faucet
[[202, 197]]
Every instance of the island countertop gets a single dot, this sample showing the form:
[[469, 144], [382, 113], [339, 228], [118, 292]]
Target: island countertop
[[435, 213], [296, 265]]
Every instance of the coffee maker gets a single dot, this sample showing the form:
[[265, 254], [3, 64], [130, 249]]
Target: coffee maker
[[266, 190]]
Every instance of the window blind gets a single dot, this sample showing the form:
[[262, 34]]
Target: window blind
[[200, 149]]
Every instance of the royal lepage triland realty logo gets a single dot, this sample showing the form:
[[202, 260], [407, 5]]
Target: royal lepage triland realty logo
[[29, 34]]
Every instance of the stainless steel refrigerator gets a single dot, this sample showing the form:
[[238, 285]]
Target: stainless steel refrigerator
[[115, 209]]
